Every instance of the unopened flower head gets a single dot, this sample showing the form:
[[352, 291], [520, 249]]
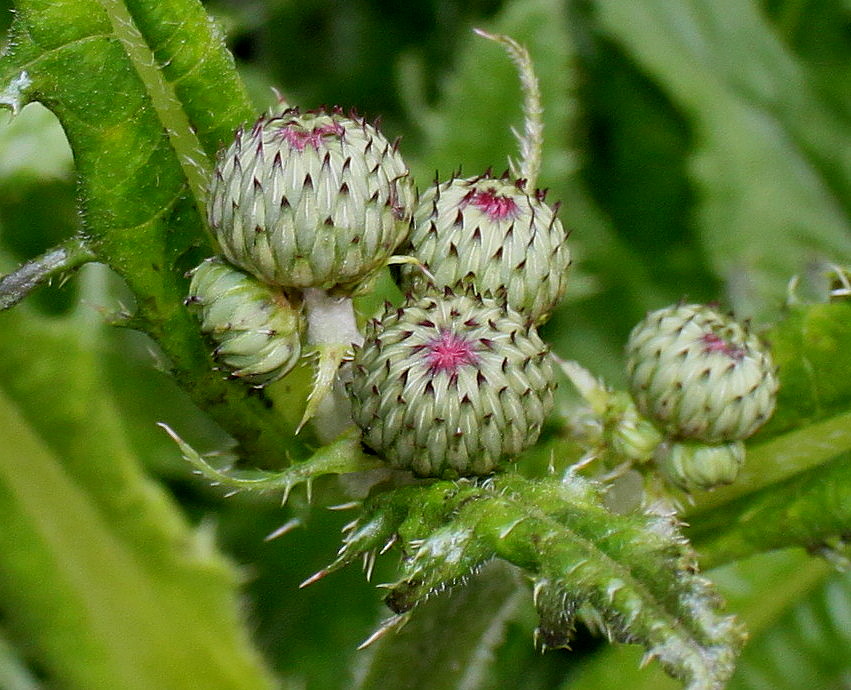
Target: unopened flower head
[[490, 234], [699, 374], [310, 200], [256, 330], [693, 465], [451, 385]]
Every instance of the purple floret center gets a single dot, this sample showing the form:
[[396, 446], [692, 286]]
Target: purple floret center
[[715, 343], [495, 206], [300, 138], [448, 352]]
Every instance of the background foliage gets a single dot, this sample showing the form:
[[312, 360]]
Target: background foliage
[[699, 149]]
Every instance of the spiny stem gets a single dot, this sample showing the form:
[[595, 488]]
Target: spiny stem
[[532, 139], [66, 257], [343, 456]]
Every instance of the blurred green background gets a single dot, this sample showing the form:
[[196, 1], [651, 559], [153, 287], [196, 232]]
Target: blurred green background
[[700, 150]]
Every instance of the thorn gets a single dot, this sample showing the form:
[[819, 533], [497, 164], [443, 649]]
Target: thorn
[[369, 564], [345, 506], [316, 577], [394, 623], [287, 527], [388, 545], [348, 527]]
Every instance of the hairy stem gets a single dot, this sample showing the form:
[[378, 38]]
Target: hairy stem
[[532, 139], [55, 262]]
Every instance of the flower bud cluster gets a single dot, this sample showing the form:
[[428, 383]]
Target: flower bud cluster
[[298, 201], [453, 382], [707, 383]]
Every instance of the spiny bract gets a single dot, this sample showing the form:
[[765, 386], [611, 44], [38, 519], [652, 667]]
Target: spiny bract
[[700, 375], [451, 385], [310, 200], [256, 330], [490, 234]]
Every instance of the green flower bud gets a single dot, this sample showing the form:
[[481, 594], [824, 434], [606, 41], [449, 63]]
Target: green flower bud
[[692, 465], [256, 330], [451, 385], [310, 200], [700, 375], [631, 436], [488, 233]]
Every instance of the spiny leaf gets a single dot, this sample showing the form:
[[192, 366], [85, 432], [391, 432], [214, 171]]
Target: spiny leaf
[[635, 573], [340, 457]]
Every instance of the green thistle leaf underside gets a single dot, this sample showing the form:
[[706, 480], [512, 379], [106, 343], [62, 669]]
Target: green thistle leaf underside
[[635, 572]]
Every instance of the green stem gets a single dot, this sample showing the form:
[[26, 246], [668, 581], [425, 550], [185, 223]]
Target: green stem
[[782, 457], [807, 510], [66, 257]]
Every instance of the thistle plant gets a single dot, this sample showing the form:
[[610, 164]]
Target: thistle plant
[[511, 499]]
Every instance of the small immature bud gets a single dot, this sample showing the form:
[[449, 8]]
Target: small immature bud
[[489, 234], [256, 330], [310, 200], [451, 385], [692, 465], [631, 436], [700, 375]]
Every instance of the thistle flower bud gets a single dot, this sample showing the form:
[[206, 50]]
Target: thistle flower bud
[[692, 465], [700, 375], [488, 233], [451, 385], [631, 436], [256, 330], [310, 200]]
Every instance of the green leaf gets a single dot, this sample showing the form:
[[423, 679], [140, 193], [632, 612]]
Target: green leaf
[[800, 649], [99, 572], [112, 591], [146, 93], [458, 633], [768, 162], [632, 576]]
